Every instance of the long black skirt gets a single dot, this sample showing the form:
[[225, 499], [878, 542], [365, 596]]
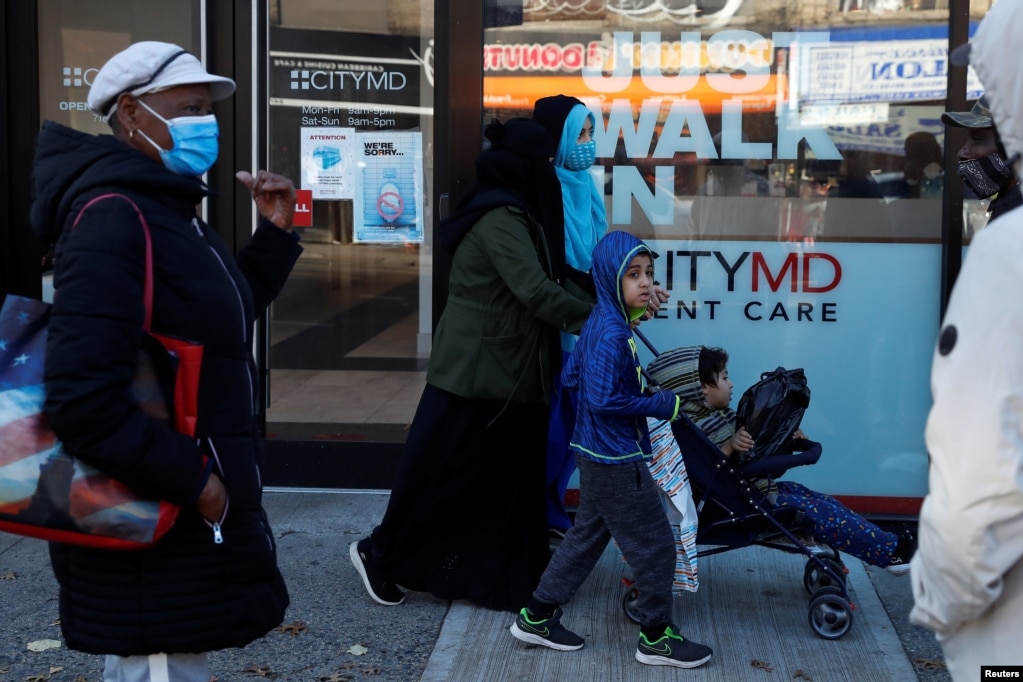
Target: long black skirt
[[467, 517]]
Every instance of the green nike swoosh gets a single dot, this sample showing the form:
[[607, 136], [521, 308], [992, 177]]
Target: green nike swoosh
[[543, 633], [663, 649]]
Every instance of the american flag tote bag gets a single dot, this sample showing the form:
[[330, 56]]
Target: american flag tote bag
[[46, 493]]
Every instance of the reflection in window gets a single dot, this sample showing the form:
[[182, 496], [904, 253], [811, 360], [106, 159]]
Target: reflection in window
[[785, 159], [712, 122]]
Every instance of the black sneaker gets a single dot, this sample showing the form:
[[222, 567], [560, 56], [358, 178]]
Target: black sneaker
[[672, 649], [899, 562], [548, 632], [897, 566], [382, 591]]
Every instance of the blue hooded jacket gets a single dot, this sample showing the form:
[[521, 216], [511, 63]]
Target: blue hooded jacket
[[605, 369]]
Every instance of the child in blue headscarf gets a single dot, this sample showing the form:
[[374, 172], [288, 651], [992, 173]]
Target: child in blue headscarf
[[570, 124]]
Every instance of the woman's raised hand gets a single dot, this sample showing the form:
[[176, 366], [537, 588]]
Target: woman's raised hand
[[274, 196]]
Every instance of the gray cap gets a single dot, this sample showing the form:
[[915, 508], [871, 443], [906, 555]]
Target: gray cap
[[977, 117]]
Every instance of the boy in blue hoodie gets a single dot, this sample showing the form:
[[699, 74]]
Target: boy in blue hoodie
[[618, 496]]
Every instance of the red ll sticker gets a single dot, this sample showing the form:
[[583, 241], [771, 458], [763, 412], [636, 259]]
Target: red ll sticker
[[303, 208]]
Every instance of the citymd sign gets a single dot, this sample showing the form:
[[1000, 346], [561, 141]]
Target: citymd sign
[[78, 77], [780, 286], [308, 79]]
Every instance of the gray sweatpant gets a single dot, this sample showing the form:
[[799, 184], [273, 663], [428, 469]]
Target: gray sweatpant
[[619, 501]]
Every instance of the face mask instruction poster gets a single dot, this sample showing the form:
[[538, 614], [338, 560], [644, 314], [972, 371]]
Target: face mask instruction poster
[[328, 156], [388, 201]]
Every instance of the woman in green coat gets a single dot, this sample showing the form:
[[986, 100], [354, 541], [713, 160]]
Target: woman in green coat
[[467, 516]]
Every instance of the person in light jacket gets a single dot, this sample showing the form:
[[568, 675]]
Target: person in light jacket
[[968, 570]]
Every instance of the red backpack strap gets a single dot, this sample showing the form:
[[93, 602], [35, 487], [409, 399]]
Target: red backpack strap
[[147, 289]]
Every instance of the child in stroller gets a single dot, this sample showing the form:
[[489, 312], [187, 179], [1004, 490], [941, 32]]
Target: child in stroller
[[759, 510]]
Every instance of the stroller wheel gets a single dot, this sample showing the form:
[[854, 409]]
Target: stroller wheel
[[629, 602], [826, 589], [830, 616], [814, 577]]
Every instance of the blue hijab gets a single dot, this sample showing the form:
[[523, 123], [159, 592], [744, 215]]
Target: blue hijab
[[585, 215]]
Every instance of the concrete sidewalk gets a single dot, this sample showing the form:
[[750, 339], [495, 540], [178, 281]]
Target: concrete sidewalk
[[751, 608]]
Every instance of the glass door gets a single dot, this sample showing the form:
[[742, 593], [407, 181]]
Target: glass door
[[351, 122], [77, 38]]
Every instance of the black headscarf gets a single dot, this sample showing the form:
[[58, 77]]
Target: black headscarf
[[552, 112], [515, 171]]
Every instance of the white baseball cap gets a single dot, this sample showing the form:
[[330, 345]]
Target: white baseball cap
[[148, 66]]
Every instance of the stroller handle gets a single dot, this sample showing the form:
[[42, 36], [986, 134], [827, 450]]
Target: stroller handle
[[645, 340], [805, 452]]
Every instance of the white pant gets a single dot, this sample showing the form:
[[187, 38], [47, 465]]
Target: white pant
[[157, 668]]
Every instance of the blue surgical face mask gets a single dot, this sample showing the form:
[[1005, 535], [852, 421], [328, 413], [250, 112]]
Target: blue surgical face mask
[[195, 143], [582, 156]]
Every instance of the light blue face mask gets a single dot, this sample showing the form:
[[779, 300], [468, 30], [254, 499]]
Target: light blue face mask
[[195, 143], [582, 156]]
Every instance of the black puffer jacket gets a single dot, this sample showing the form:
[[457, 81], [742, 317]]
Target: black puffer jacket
[[187, 594]]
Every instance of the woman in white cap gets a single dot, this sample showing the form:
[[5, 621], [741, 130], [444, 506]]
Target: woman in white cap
[[212, 582]]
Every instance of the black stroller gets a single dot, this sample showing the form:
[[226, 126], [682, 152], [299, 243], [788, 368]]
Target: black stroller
[[733, 513]]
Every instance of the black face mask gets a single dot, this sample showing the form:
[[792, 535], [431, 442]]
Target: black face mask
[[988, 175]]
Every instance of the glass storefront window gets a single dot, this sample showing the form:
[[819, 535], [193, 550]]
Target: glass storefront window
[[76, 39], [351, 121], [780, 155], [786, 161]]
